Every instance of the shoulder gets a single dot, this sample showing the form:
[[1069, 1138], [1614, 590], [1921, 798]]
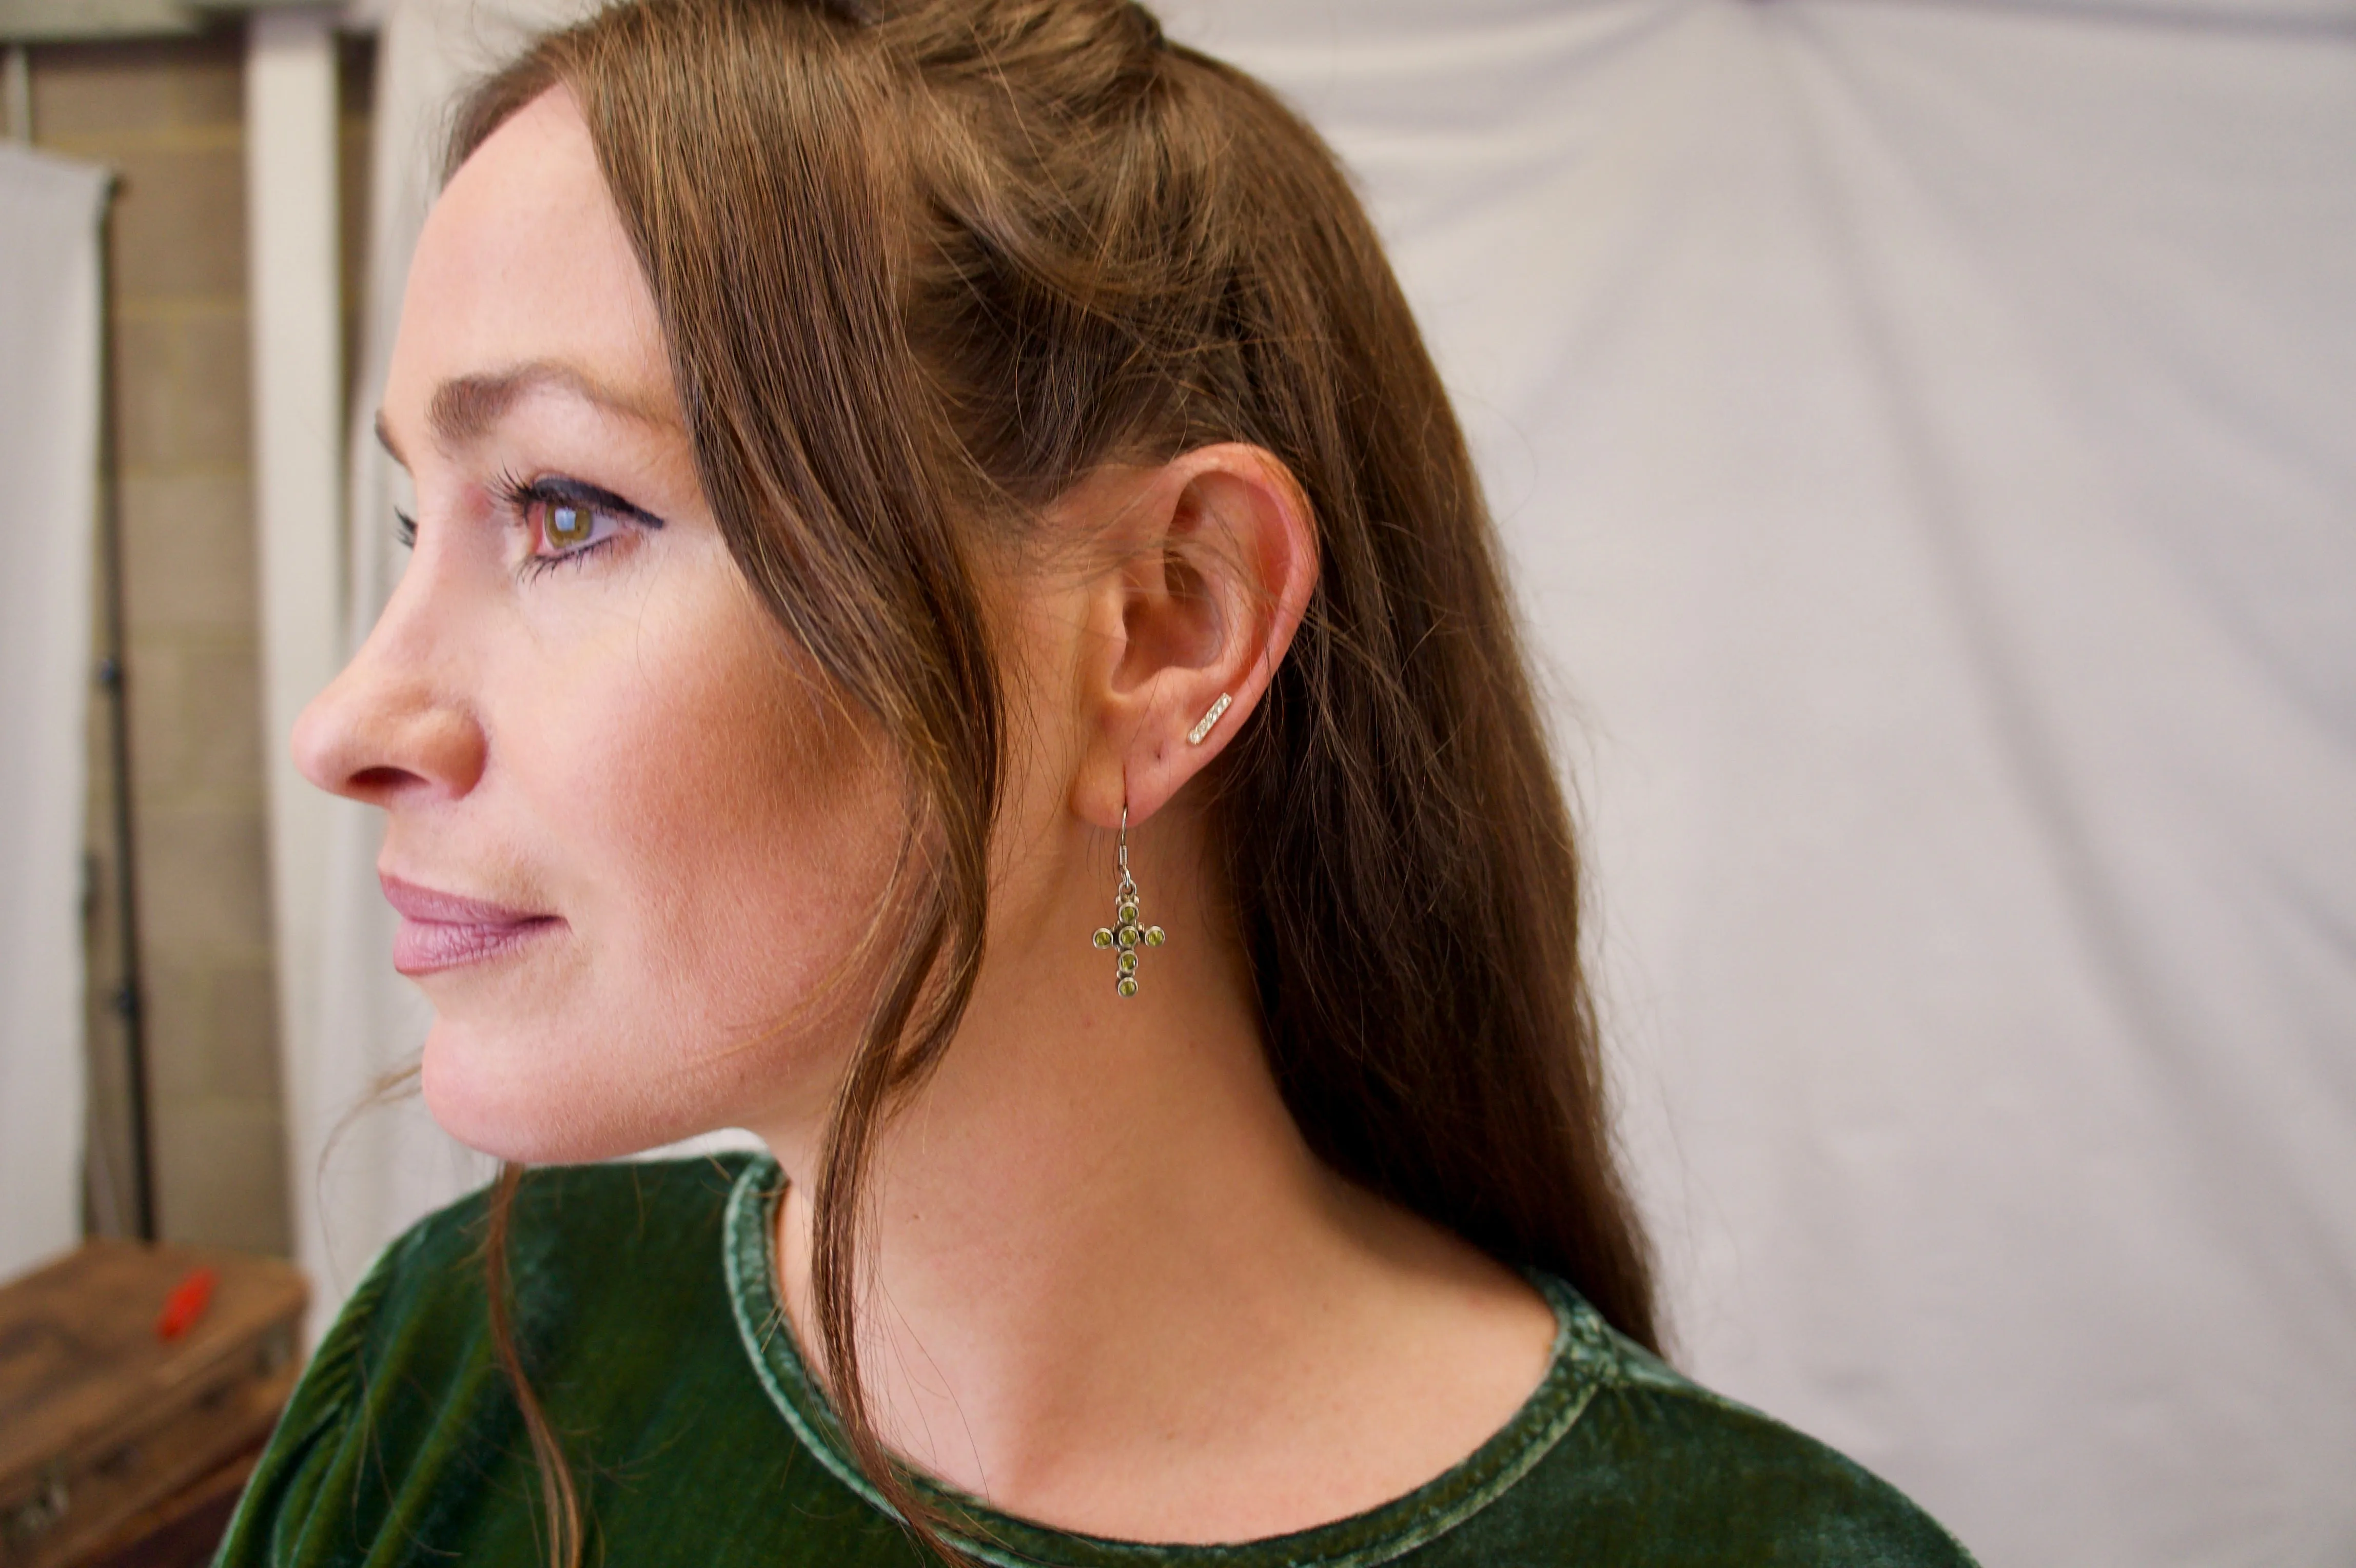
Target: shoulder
[[576, 1235], [622, 1202], [1656, 1469], [600, 1256]]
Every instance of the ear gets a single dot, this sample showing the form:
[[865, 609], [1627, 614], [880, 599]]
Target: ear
[[1217, 558]]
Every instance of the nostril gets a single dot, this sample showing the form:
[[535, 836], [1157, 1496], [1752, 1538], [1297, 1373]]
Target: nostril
[[381, 781]]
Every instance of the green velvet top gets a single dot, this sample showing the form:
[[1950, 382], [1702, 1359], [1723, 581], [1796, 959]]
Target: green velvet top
[[648, 1313]]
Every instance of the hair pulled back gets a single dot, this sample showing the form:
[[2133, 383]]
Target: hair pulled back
[[921, 266]]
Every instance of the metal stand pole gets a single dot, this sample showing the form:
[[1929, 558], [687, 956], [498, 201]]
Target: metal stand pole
[[130, 996]]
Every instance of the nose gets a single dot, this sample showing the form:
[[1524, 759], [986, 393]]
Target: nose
[[390, 728]]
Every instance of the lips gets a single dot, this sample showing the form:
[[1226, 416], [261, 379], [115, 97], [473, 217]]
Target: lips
[[442, 930]]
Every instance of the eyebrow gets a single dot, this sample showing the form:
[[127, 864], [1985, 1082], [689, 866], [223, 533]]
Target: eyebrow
[[465, 408]]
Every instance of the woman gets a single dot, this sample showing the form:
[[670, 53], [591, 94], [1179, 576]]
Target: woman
[[951, 624]]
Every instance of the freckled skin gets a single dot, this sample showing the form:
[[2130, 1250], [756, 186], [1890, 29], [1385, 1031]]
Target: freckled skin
[[627, 742]]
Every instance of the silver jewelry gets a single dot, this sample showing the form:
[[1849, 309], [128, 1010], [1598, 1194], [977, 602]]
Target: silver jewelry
[[1125, 935], [1202, 727]]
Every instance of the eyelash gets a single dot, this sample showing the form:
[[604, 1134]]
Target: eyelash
[[520, 496]]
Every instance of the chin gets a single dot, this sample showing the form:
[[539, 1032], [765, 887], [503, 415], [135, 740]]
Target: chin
[[523, 1105]]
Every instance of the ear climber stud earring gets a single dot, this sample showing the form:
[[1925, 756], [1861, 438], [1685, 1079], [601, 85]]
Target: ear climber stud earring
[[1125, 936], [1202, 725]]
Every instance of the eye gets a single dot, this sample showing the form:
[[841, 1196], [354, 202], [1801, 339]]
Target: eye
[[568, 520], [567, 525]]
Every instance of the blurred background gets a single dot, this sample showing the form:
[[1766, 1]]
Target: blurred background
[[1924, 435]]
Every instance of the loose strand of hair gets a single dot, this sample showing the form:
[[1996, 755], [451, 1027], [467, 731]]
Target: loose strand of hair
[[560, 1498]]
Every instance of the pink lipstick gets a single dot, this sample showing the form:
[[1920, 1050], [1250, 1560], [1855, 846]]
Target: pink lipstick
[[443, 930]]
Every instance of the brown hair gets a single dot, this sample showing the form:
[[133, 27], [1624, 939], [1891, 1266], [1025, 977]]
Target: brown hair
[[921, 266]]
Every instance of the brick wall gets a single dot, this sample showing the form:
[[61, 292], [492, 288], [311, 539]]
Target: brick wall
[[168, 117]]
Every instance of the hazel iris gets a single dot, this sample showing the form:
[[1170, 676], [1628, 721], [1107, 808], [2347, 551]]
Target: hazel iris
[[569, 524]]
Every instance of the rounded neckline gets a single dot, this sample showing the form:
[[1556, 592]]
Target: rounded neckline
[[1379, 1534]]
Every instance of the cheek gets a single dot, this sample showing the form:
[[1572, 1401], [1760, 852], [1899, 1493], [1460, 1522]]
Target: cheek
[[717, 839], [751, 839]]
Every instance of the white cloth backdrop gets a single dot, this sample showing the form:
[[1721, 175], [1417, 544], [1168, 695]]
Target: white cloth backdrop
[[50, 213], [1925, 434]]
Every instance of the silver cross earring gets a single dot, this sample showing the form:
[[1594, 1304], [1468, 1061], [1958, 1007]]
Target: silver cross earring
[[1125, 935]]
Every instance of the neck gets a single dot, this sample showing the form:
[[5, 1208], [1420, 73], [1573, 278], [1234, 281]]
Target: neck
[[1102, 1248]]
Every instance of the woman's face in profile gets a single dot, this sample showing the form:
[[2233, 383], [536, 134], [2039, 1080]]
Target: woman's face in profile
[[630, 839]]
